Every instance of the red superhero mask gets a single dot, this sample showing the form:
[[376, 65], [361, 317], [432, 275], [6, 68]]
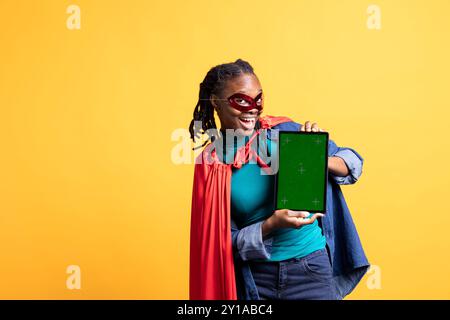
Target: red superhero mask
[[245, 103]]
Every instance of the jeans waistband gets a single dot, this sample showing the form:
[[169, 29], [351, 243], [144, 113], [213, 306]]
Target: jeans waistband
[[291, 260]]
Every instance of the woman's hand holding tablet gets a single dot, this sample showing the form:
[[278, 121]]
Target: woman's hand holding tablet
[[285, 218]]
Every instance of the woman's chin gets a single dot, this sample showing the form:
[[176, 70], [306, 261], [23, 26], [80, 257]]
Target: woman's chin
[[246, 128], [244, 131]]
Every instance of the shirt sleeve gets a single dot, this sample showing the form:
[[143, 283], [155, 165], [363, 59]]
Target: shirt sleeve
[[248, 242], [354, 164]]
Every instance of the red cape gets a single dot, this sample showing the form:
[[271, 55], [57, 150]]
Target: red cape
[[211, 274]]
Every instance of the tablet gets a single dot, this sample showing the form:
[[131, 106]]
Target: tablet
[[301, 180]]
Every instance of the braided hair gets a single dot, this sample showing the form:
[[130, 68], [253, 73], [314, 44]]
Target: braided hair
[[214, 82]]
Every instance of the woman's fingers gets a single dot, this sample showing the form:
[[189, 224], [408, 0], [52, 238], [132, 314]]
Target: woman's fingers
[[315, 127], [308, 127], [298, 214], [302, 222], [295, 219], [302, 128]]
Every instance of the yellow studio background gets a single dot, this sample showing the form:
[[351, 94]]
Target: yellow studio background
[[87, 116]]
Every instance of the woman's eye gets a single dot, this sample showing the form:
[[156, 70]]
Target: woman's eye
[[241, 102]]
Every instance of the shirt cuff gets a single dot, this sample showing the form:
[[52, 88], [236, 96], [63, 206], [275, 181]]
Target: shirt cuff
[[250, 243], [354, 165]]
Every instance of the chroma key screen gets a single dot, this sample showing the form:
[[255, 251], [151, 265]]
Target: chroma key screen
[[302, 174]]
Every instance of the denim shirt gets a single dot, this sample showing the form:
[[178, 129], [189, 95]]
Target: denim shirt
[[346, 253]]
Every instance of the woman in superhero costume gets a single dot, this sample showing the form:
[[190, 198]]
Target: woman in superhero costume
[[240, 247]]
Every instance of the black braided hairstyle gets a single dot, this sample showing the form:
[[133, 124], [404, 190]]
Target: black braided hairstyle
[[214, 82]]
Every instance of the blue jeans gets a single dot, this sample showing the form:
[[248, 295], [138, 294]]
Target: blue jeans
[[306, 278]]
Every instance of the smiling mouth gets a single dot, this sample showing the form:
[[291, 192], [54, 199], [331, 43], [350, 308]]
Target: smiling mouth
[[248, 123], [250, 120]]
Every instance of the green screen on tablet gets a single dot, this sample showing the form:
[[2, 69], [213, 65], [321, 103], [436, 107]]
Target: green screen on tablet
[[301, 181]]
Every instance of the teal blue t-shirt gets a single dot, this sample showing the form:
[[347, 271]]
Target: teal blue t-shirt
[[252, 200]]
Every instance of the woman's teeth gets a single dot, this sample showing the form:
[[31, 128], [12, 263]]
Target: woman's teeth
[[248, 120]]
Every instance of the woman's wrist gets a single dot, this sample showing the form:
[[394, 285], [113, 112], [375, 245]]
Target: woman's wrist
[[337, 166], [267, 226]]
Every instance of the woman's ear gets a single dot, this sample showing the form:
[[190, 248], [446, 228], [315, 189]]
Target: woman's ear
[[213, 101]]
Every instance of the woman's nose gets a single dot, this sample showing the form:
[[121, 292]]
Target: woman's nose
[[252, 112]]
